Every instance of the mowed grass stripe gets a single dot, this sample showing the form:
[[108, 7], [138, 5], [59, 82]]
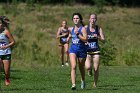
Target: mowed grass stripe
[[112, 79]]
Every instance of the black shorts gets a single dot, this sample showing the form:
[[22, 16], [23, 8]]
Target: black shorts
[[5, 57], [93, 51]]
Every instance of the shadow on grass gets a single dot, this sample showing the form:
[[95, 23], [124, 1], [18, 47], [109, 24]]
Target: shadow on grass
[[25, 89], [12, 76], [15, 70], [113, 87], [136, 22]]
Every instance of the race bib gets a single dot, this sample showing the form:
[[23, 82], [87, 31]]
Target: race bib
[[92, 45], [63, 40], [75, 41], [2, 44]]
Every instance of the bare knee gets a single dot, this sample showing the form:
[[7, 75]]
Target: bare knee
[[73, 67], [88, 67]]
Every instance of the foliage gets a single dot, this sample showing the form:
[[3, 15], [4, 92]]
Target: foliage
[[108, 53], [108, 2], [10, 9], [34, 30], [18, 32], [131, 57], [35, 51]]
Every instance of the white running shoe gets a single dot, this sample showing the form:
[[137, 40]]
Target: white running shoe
[[73, 87], [83, 84], [67, 64], [62, 65]]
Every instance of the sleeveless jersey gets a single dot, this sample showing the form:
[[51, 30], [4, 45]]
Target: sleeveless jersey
[[92, 41], [4, 41], [78, 47], [64, 38], [75, 38]]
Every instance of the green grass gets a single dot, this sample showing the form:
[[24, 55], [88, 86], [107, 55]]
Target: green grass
[[113, 79]]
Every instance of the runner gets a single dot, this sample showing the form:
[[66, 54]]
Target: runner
[[62, 34], [77, 50], [6, 41], [94, 33]]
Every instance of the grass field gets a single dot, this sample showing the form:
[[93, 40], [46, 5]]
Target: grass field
[[34, 29], [113, 79]]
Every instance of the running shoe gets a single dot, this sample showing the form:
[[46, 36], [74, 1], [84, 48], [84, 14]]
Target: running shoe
[[83, 84], [62, 65], [7, 82], [67, 64], [73, 87]]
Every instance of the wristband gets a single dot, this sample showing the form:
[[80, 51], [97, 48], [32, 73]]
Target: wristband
[[77, 34]]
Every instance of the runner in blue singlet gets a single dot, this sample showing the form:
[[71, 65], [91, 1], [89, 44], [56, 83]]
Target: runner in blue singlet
[[6, 41], [94, 33], [77, 50]]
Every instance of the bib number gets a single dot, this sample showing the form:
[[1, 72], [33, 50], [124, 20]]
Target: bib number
[[63, 40], [75, 41], [2, 44], [92, 45]]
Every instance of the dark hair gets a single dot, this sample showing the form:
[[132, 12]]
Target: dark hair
[[80, 17], [5, 21]]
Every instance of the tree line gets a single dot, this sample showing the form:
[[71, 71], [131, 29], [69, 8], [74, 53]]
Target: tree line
[[124, 3]]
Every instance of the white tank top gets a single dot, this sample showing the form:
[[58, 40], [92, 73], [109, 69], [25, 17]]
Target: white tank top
[[4, 41]]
